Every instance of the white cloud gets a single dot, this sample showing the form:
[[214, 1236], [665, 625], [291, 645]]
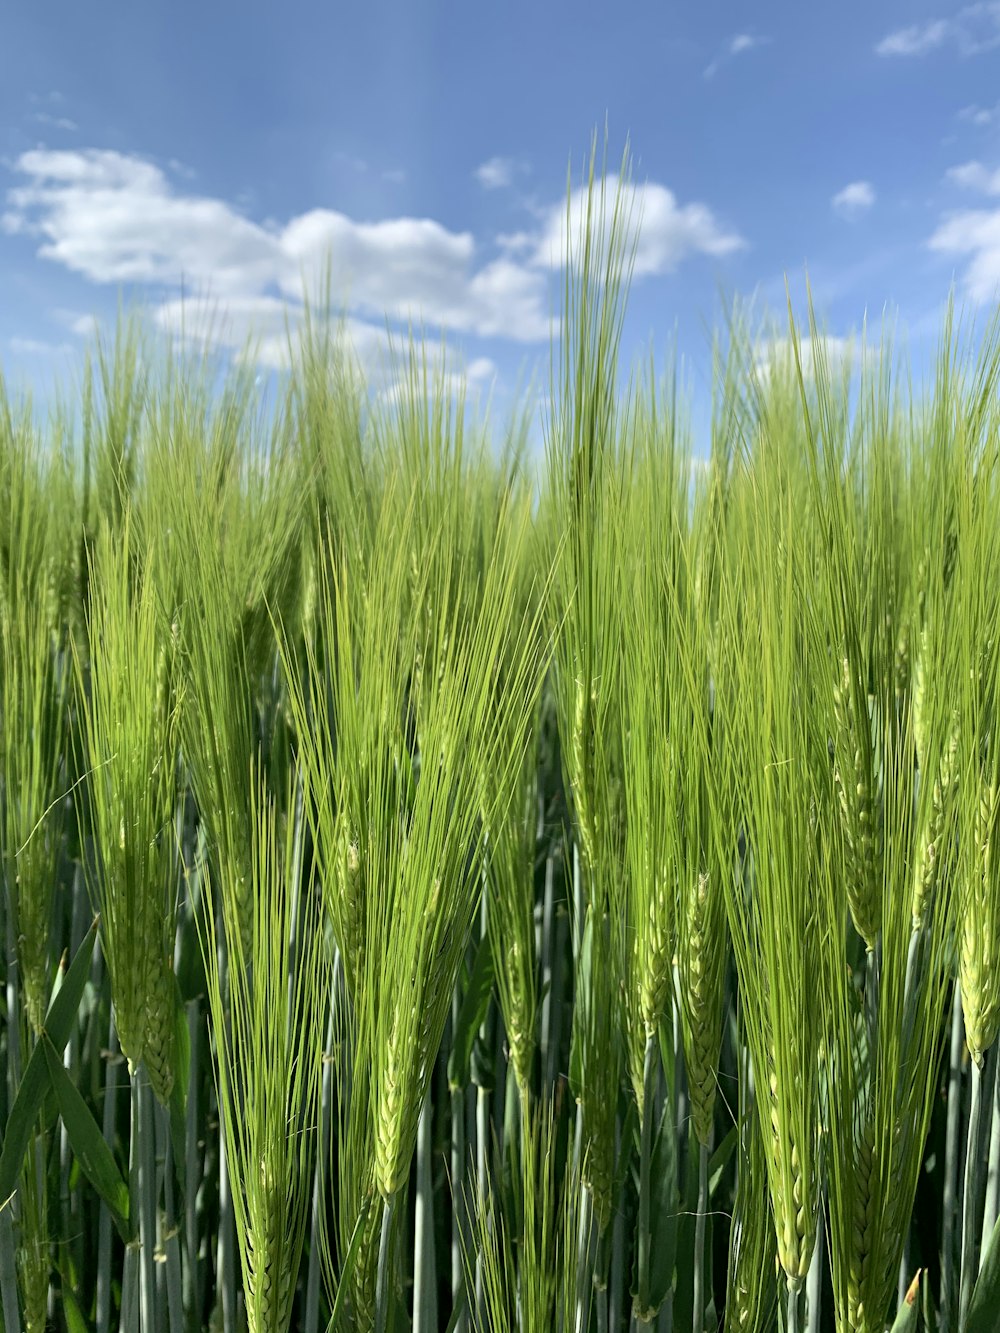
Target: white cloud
[[263, 329], [973, 235], [828, 350], [37, 347], [914, 40], [854, 199], [974, 176], [664, 231], [971, 31], [116, 218], [737, 45], [497, 173], [470, 382]]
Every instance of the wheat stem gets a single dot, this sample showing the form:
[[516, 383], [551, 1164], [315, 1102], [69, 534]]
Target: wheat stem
[[951, 1167], [793, 1309], [992, 1207], [983, 1074], [194, 1168], [111, 1083], [146, 1201], [701, 1221], [8, 1270], [424, 1267], [814, 1278], [650, 1073], [384, 1277]]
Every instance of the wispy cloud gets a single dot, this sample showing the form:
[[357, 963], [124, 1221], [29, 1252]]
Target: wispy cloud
[[854, 200], [54, 122], [737, 45], [498, 173], [975, 176], [980, 116], [971, 31], [38, 347]]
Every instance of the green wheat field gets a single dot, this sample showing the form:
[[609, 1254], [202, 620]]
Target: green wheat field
[[448, 886]]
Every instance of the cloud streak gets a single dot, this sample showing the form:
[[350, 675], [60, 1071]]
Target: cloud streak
[[972, 31], [739, 44]]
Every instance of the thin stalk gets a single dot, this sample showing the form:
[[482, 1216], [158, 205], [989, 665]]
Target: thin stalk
[[193, 1165], [147, 1199], [104, 1238], [425, 1318], [225, 1250], [911, 988], [979, 1093], [601, 1308], [546, 953], [584, 1285], [951, 1165], [794, 1309], [171, 1243], [905, 1265], [482, 1121], [384, 1263], [814, 1279], [992, 1208], [872, 980], [650, 1071], [457, 1096], [313, 1273], [8, 1270], [700, 1225], [130, 1315], [616, 1280]]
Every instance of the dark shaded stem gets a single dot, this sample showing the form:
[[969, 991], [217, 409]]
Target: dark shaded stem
[[645, 1315], [951, 1167], [700, 1226], [981, 1088]]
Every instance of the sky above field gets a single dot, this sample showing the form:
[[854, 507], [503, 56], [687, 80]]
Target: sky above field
[[207, 160]]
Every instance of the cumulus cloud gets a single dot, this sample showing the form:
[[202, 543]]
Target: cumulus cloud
[[663, 231], [971, 31], [854, 199], [218, 276], [973, 235], [116, 218], [738, 45]]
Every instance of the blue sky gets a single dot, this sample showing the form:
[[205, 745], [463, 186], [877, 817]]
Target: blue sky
[[221, 151]]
